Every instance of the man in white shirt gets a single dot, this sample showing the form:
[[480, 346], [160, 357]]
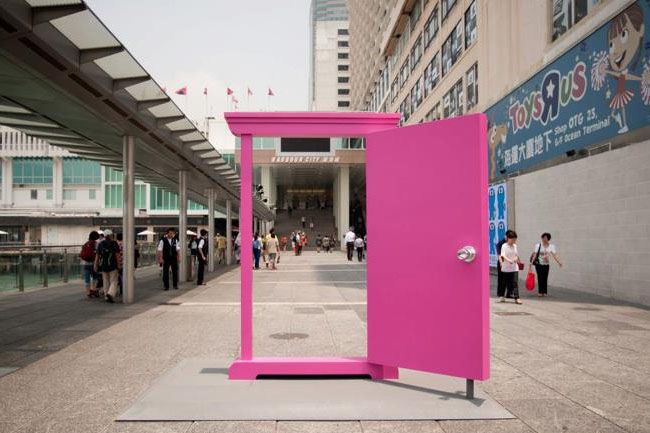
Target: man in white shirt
[[168, 256], [349, 242]]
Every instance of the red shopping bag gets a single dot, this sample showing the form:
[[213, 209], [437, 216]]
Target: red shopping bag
[[530, 280]]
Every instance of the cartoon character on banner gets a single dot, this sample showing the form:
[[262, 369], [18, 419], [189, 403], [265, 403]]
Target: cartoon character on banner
[[625, 38], [497, 134], [493, 240], [492, 203], [501, 202], [501, 230]]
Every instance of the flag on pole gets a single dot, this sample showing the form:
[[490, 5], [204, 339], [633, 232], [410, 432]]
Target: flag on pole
[[182, 91], [271, 92], [229, 91], [249, 92], [205, 91]]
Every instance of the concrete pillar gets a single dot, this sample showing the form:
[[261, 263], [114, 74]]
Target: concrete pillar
[[182, 224], [228, 232], [335, 199], [7, 182], [266, 182], [343, 186], [128, 218], [211, 232], [57, 180]]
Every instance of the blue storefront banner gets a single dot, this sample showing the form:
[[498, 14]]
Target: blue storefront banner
[[497, 217], [597, 90]]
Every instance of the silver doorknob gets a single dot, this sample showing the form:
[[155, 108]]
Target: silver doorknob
[[466, 254]]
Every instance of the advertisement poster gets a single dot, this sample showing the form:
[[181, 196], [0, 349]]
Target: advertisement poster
[[497, 217], [597, 90]]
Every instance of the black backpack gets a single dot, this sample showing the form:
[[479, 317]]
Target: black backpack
[[107, 259]]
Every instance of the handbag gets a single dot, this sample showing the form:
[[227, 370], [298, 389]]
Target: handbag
[[535, 261], [530, 280], [520, 266]]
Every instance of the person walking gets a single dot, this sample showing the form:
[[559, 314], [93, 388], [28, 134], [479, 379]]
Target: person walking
[[326, 244], [501, 279], [319, 243], [311, 225], [202, 251], [168, 255], [299, 243], [273, 248], [257, 249], [87, 256], [265, 252], [221, 248], [541, 259], [107, 261], [238, 247], [303, 220], [193, 246], [358, 245], [349, 242], [120, 275], [510, 266], [283, 243]]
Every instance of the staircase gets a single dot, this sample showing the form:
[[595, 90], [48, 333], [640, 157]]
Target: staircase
[[323, 224]]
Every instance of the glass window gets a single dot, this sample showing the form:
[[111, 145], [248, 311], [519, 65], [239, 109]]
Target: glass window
[[416, 52], [32, 171], [447, 5], [342, 31], [140, 194], [49, 194], [112, 175], [394, 90], [343, 67], [471, 80], [452, 48], [92, 194], [470, 25], [343, 55], [191, 205], [113, 196], [161, 199], [431, 27], [404, 73], [343, 91], [434, 113], [566, 13], [344, 79], [407, 107], [453, 100], [69, 194], [344, 103], [343, 43], [33, 194], [416, 13], [417, 94], [432, 74], [81, 171]]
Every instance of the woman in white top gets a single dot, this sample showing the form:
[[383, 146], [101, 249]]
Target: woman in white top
[[541, 258], [510, 266]]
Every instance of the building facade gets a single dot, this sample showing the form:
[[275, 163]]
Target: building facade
[[329, 78], [566, 88], [50, 196]]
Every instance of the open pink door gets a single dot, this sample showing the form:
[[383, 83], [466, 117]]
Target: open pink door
[[426, 201]]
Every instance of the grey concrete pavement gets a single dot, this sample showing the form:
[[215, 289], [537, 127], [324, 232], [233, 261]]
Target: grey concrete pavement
[[567, 363]]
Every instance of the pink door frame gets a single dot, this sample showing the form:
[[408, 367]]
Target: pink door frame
[[293, 124]]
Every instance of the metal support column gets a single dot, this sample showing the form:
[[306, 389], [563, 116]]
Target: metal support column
[[182, 225], [228, 232], [128, 219], [211, 233], [469, 389]]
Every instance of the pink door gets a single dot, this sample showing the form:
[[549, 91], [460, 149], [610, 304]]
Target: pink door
[[426, 201]]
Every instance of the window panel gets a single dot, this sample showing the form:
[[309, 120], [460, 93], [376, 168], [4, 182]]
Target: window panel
[[32, 171], [432, 74], [431, 27], [404, 73], [470, 25], [453, 100], [416, 52], [69, 194], [452, 48], [81, 171], [471, 78], [447, 5]]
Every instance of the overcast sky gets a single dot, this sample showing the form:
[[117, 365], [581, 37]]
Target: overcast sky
[[218, 44]]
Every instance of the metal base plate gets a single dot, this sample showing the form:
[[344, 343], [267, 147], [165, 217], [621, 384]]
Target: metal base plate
[[199, 390]]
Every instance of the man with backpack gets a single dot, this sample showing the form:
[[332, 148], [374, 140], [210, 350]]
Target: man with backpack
[[168, 256], [108, 262], [202, 257]]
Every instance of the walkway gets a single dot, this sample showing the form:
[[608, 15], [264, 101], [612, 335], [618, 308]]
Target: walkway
[[568, 363]]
